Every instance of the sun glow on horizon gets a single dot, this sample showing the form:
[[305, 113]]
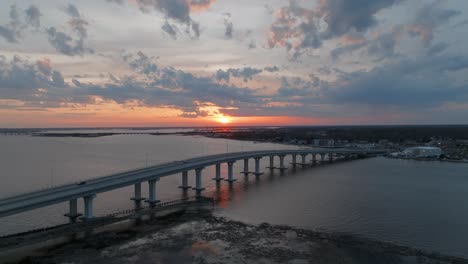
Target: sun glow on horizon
[[224, 120]]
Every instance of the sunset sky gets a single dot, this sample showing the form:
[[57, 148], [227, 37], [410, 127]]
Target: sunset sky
[[242, 62]]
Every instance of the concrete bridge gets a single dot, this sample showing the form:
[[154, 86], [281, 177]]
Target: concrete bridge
[[89, 189]]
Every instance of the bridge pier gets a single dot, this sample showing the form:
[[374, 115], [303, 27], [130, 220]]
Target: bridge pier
[[294, 160], [246, 167], [303, 160], [330, 157], [218, 173], [185, 185], [314, 158], [282, 166], [198, 180], [272, 162], [88, 207], [73, 210], [257, 166], [322, 157], [137, 191], [152, 192], [231, 172]]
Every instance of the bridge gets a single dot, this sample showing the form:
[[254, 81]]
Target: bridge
[[87, 190]]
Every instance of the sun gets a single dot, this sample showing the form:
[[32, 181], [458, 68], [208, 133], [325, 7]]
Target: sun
[[224, 119]]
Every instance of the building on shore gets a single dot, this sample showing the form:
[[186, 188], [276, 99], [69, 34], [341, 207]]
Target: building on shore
[[422, 152]]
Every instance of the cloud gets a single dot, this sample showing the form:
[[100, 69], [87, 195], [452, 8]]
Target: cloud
[[298, 29], [177, 10], [428, 18], [44, 66], [200, 5], [35, 84], [246, 73], [141, 63], [116, 1], [33, 16], [383, 44], [271, 69], [228, 25], [170, 29], [295, 86], [57, 79], [437, 48], [294, 29], [13, 30], [343, 16], [252, 45], [38, 84], [66, 44], [409, 83], [404, 84]]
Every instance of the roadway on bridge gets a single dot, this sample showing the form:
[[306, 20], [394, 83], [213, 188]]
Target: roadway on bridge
[[28, 201]]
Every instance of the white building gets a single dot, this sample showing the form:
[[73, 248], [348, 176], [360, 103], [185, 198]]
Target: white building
[[422, 152]]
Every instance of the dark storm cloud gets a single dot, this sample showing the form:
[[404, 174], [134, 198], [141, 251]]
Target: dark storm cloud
[[67, 44]]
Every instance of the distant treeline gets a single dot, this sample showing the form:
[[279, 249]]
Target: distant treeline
[[356, 133]]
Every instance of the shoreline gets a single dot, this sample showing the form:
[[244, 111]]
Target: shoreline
[[193, 234]]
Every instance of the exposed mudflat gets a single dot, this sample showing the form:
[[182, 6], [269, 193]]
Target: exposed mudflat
[[196, 236]]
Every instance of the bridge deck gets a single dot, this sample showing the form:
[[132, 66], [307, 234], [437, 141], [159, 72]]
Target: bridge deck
[[24, 202]]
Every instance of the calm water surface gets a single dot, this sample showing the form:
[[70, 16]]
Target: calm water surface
[[419, 204]]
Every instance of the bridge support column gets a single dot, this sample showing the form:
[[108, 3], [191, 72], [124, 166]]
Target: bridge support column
[[230, 172], [303, 156], [152, 192], [294, 160], [73, 210], [282, 167], [272, 162], [218, 173], [330, 157], [257, 166], [198, 180], [137, 191], [88, 207], [246, 167], [314, 158], [322, 157], [185, 185]]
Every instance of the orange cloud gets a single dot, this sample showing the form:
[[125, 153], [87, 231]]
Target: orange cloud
[[199, 5]]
